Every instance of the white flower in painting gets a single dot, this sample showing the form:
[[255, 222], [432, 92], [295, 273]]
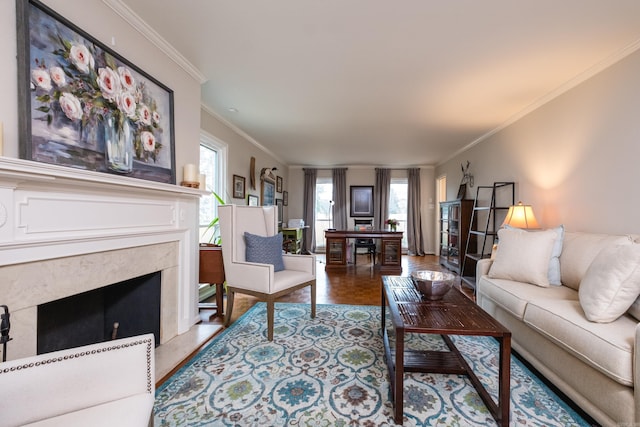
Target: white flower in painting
[[58, 76], [156, 118], [109, 83], [41, 79], [127, 104], [126, 79], [71, 106], [144, 114], [81, 58], [148, 141]]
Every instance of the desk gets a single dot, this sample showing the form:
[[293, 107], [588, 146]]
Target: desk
[[293, 238], [390, 244]]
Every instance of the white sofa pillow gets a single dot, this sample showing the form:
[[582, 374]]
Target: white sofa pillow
[[523, 256], [554, 262], [611, 284]]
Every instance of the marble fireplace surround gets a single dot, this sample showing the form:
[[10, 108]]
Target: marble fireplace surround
[[65, 231]]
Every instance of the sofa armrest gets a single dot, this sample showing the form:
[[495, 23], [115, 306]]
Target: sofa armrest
[[482, 267], [63, 382]]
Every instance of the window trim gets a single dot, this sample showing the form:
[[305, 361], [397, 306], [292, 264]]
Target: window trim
[[222, 149]]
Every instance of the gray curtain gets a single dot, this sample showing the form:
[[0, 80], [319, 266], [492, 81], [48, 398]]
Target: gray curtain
[[381, 198], [414, 219], [309, 211], [340, 198]]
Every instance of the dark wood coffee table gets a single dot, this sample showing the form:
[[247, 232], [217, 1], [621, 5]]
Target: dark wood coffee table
[[455, 314]]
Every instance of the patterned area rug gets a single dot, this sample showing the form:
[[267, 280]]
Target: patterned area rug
[[330, 371]]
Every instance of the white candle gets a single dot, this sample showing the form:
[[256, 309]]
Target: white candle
[[190, 173], [203, 181]]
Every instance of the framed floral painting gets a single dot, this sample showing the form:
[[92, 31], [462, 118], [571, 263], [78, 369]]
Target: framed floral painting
[[84, 106]]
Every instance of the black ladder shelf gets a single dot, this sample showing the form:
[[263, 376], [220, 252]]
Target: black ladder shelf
[[485, 237]]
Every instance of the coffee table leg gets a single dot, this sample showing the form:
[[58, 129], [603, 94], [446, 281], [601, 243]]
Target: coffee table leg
[[399, 374], [504, 378]]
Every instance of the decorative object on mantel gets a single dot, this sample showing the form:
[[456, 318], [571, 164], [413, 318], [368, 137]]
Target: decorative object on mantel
[[252, 173], [82, 105], [203, 181], [279, 184], [190, 176], [253, 200]]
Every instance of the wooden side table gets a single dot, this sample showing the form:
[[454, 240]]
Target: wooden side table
[[212, 271]]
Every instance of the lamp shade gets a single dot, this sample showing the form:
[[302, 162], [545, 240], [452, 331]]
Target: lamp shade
[[521, 216]]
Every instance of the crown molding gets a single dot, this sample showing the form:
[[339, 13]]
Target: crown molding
[[152, 35], [580, 78], [242, 133]]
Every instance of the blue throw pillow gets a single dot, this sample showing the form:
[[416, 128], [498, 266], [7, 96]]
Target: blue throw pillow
[[265, 250]]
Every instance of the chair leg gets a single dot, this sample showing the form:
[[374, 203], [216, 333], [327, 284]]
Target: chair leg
[[313, 299], [227, 317], [270, 316]]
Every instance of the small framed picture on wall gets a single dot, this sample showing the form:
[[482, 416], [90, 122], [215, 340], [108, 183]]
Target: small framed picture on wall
[[238, 187]]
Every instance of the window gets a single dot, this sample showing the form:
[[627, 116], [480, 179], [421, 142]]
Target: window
[[213, 163], [324, 194], [398, 195]]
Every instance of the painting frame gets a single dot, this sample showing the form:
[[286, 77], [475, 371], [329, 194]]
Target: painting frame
[[285, 198], [279, 205], [83, 105], [239, 187], [253, 200], [268, 192], [279, 184], [361, 202]]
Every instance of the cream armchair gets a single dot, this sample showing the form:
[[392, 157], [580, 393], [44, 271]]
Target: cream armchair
[[259, 279], [105, 384]]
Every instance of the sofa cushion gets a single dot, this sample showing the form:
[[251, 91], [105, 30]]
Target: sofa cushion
[[611, 283], [513, 296], [606, 347], [554, 262], [578, 252], [523, 256], [264, 250]]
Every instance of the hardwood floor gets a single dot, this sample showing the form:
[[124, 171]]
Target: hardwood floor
[[357, 285]]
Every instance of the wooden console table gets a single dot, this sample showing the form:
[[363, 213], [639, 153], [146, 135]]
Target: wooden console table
[[390, 243], [212, 271]]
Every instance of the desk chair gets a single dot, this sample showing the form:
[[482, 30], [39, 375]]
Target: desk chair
[[368, 244]]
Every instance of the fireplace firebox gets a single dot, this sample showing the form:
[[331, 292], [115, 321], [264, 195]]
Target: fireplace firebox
[[121, 310]]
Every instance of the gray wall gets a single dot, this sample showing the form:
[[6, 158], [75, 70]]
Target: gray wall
[[575, 159]]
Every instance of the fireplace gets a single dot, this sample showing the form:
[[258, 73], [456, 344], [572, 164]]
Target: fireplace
[[121, 310], [66, 232]]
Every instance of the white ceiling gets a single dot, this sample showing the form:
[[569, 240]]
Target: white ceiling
[[379, 82]]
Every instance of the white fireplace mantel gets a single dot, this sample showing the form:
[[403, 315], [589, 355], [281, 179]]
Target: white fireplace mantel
[[51, 213]]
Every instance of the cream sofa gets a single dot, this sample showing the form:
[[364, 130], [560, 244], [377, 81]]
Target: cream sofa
[[593, 363], [106, 384]]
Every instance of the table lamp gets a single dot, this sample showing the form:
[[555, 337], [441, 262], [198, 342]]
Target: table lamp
[[521, 216]]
